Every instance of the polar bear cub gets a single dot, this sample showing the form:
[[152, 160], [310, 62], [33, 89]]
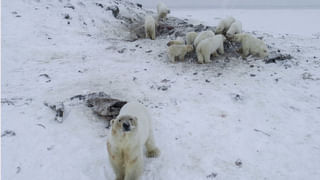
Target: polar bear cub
[[203, 35], [130, 132], [210, 46], [178, 41], [190, 37], [235, 28], [178, 51], [163, 11], [150, 27], [224, 25], [251, 45]]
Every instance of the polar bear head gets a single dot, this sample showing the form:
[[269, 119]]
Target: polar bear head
[[189, 48], [238, 37], [124, 124]]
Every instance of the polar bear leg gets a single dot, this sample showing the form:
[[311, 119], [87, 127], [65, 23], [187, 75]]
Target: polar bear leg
[[118, 170], [200, 58], [245, 52], [153, 34], [134, 169], [172, 58], [207, 58], [181, 57], [221, 49], [152, 150]]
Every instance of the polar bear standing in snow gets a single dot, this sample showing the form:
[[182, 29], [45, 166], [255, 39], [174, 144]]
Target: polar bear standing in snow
[[178, 41], [203, 35], [178, 51], [235, 28], [190, 37], [210, 46], [130, 132], [224, 25], [150, 27], [251, 45], [163, 11]]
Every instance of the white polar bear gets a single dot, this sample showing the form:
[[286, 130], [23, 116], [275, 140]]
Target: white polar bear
[[130, 132], [203, 35], [178, 51], [210, 46], [163, 11], [235, 28], [178, 41], [251, 45], [224, 25], [150, 27], [190, 37]]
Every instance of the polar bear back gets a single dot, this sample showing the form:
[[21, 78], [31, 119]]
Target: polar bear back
[[203, 35], [225, 24], [140, 112]]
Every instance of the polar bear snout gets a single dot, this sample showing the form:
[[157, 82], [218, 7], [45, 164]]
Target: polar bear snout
[[127, 123], [126, 126]]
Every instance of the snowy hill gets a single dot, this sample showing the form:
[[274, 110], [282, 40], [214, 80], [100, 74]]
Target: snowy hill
[[230, 119]]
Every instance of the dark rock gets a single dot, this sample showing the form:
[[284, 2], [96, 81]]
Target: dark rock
[[69, 6], [139, 5], [115, 10], [238, 163], [99, 4], [122, 50], [149, 51], [58, 109], [212, 175], [252, 75], [278, 57], [8, 133], [207, 81], [67, 16]]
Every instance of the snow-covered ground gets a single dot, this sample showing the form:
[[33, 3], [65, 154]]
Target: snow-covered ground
[[207, 117]]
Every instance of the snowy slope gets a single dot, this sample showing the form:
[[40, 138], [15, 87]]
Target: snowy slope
[[206, 117]]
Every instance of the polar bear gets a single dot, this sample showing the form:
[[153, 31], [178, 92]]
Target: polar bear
[[150, 27], [210, 46], [178, 41], [190, 37], [224, 25], [251, 45], [178, 51], [235, 28], [203, 35], [130, 132], [163, 11]]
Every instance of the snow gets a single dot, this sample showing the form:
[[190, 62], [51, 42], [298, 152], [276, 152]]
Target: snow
[[210, 116]]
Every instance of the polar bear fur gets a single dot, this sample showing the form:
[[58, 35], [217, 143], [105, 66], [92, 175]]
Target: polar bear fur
[[163, 11], [251, 45], [235, 28], [178, 51], [224, 25], [130, 132], [203, 35], [178, 41], [190, 37], [210, 46], [150, 27]]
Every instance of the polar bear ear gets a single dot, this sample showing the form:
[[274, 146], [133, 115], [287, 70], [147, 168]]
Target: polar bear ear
[[112, 121]]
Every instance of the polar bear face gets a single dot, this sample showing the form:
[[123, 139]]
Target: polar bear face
[[189, 48], [124, 124], [237, 37]]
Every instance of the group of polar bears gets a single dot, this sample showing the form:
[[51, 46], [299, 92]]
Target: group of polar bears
[[131, 130], [207, 43]]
